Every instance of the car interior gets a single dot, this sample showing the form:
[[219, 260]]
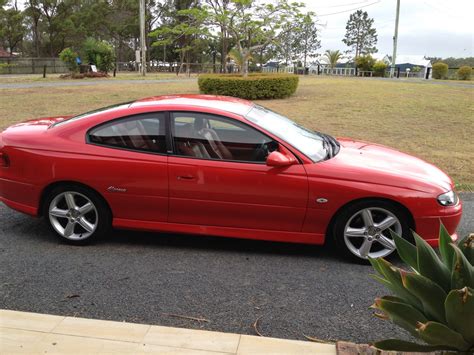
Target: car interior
[[200, 137], [136, 134], [195, 135]]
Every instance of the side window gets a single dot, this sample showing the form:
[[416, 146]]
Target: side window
[[142, 132], [207, 136]]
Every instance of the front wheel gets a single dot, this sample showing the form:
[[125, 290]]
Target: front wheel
[[76, 214], [362, 230]]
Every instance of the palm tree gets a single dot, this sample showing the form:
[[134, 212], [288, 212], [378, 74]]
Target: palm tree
[[240, 59], [332, 57]]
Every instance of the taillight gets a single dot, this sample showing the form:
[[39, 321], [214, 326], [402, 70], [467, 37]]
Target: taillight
[[4, 161]]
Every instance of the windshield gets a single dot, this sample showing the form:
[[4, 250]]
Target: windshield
[[90, 113], [312, 144]]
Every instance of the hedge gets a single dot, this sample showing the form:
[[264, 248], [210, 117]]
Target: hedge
[[464, 73], [252, 87], [440, 70]]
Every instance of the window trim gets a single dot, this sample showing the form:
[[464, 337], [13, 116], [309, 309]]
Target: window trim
[[125, 118], [224, 118]]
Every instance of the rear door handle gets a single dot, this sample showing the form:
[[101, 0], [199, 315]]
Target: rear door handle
[[185, 177]]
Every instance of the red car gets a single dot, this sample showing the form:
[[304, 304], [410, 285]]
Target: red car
[[219, 166]]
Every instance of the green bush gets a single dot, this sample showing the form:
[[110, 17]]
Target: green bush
[[379, 68], [365, 62], [69, 56], [434, 299], [464, 73], [440, 70], [99, 53], [255, 86]]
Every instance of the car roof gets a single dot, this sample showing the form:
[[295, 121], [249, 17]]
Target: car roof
[[223, 103]]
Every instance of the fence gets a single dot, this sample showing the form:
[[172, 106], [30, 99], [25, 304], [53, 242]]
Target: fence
[[32, 66]]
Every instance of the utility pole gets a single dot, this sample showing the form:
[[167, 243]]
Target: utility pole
[[142, 39], [395, 39]]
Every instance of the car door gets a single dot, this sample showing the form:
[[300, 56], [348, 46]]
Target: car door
[[131, 170], [218, 177]]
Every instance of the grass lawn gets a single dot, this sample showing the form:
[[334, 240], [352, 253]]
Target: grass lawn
[[38, 78], [434, 122]]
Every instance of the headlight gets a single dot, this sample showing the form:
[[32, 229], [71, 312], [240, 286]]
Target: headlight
[[448, 198]]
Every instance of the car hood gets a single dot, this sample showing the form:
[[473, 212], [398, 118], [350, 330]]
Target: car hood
[[377, 164]]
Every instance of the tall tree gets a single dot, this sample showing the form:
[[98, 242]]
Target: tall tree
[[12, 28], [360, 35], [254, 25], [220, 14], [185, 30], [307, 37]]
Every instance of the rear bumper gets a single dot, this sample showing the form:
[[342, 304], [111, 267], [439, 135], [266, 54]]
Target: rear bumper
[[32, 211], [19, 196]]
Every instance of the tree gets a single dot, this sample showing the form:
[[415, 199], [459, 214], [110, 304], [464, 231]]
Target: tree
[[307, 37], [185, 30], [219, 10], [12, 28], [254, 25], [360, 35], [332, 57], [365, 62]]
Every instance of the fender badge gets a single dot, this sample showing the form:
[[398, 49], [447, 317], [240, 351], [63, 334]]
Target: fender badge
[[321, 200], [116, 189]]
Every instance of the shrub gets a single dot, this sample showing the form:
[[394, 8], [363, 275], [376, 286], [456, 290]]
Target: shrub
[[434, 300], [379, 68], [464, 73], [440, 70], [100, 53], [255, 86], [69, 56], [365, 62]]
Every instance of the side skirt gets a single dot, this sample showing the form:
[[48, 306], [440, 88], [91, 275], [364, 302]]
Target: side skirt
[[258, 234]]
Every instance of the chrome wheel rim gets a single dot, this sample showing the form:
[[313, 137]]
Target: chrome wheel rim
[[73, 215], [367, 233]]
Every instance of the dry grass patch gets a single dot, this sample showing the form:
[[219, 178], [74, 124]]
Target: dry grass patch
[[434, 122]]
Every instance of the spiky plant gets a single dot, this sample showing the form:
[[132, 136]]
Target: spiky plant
[[434, 301]]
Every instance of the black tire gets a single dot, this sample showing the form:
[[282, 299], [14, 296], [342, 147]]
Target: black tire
[[347, 214], [100, 216]]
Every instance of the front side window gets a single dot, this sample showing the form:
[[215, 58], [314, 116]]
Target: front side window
[[207, 136], [143, 133], [315, 145]]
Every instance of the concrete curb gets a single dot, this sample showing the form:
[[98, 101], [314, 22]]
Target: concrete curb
[[34, 333]]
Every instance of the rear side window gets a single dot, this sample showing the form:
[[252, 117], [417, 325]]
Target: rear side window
[[142, 133]]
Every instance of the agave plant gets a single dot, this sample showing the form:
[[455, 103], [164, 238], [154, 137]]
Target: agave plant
[[434, 301]]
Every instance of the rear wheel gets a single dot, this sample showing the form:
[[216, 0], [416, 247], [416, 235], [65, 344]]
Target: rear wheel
[[76, 214], [362, 230]]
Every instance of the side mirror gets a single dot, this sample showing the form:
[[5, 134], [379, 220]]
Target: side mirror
[[277, 159]]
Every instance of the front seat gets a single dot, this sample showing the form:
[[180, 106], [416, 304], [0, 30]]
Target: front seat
[[187, 146], [213, 143]]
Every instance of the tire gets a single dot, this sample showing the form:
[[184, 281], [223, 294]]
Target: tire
[[76, 214], [362, 229]]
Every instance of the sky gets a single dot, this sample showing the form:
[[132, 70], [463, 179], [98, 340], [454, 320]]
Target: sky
[[434, 28]]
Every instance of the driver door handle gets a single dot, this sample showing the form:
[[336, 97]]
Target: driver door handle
[[185, 177]]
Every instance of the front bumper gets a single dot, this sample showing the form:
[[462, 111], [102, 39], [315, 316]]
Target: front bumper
[[428, 227]]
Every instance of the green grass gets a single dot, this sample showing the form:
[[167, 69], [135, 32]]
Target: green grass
[[38, 78], [434, 122]]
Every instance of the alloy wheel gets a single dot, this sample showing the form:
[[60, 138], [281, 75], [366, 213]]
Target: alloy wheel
[[367, 232], [73, 215]]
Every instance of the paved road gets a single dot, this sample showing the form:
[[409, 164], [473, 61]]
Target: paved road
[[87, 83], [144, 277]]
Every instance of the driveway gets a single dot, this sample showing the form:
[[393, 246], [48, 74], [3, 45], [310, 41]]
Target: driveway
[[172, 280]]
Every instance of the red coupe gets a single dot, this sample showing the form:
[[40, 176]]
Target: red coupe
[[219, 166]]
